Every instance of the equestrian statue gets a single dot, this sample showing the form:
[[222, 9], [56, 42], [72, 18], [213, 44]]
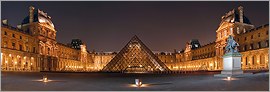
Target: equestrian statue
[[232, 45]]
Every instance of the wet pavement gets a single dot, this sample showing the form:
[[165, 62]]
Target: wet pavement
[[18, 81]]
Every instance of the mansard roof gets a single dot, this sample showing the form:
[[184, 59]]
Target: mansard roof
[[195, 43], [233, 16], [39, 16], [27, 32]]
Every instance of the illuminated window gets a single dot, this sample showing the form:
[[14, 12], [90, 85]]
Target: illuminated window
[[34, 49], [238, 30], [253, 60], [27, 49], [5, 44], [48, 51], [259, 44], [267, 43], [251, 46], [13, 46], [246, 60], [220, 35], [20, 47]]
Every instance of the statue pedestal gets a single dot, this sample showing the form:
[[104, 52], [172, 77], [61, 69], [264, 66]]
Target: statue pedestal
[[231, 66]]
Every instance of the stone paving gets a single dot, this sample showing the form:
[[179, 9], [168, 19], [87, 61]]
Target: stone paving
[[16, 81]]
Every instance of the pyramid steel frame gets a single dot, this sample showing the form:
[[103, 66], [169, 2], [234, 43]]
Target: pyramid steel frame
[[135, 57]]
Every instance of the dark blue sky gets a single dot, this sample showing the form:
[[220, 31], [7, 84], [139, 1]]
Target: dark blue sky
[[162, 26]]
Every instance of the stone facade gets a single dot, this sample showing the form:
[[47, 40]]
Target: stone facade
[[253, 41], [32, 46]]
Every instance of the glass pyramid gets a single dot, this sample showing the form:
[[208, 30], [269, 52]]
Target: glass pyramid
[[135, 57]]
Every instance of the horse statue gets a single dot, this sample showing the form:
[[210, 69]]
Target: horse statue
[[231, 45]]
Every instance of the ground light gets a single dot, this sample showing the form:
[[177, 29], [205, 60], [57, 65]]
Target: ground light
[[229, 78], [138, 82], [45, 79]]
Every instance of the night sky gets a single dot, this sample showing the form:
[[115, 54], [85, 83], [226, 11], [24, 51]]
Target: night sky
[[162, 26]]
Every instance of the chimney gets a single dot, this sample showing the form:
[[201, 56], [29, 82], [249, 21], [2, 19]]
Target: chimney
[[241, 14], [31, 14]]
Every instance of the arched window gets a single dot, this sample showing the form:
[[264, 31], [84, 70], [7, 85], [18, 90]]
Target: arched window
[[267, 43], [262, 59], [41, 50], [5, 44], [48, 51], [251, 46], [246, 60], [259, 44], [253, 60], [245, 48]]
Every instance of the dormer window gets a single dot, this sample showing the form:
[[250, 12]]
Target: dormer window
[[238, 30], [196, 45]]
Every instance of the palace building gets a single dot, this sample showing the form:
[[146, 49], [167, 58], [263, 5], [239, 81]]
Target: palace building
[[253, 41], [32, 46]]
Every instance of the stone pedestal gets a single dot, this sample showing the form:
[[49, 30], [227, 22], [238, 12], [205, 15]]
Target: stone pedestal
[[231, 66]]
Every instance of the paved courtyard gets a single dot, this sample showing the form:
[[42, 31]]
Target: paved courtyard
[[13, 81]]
